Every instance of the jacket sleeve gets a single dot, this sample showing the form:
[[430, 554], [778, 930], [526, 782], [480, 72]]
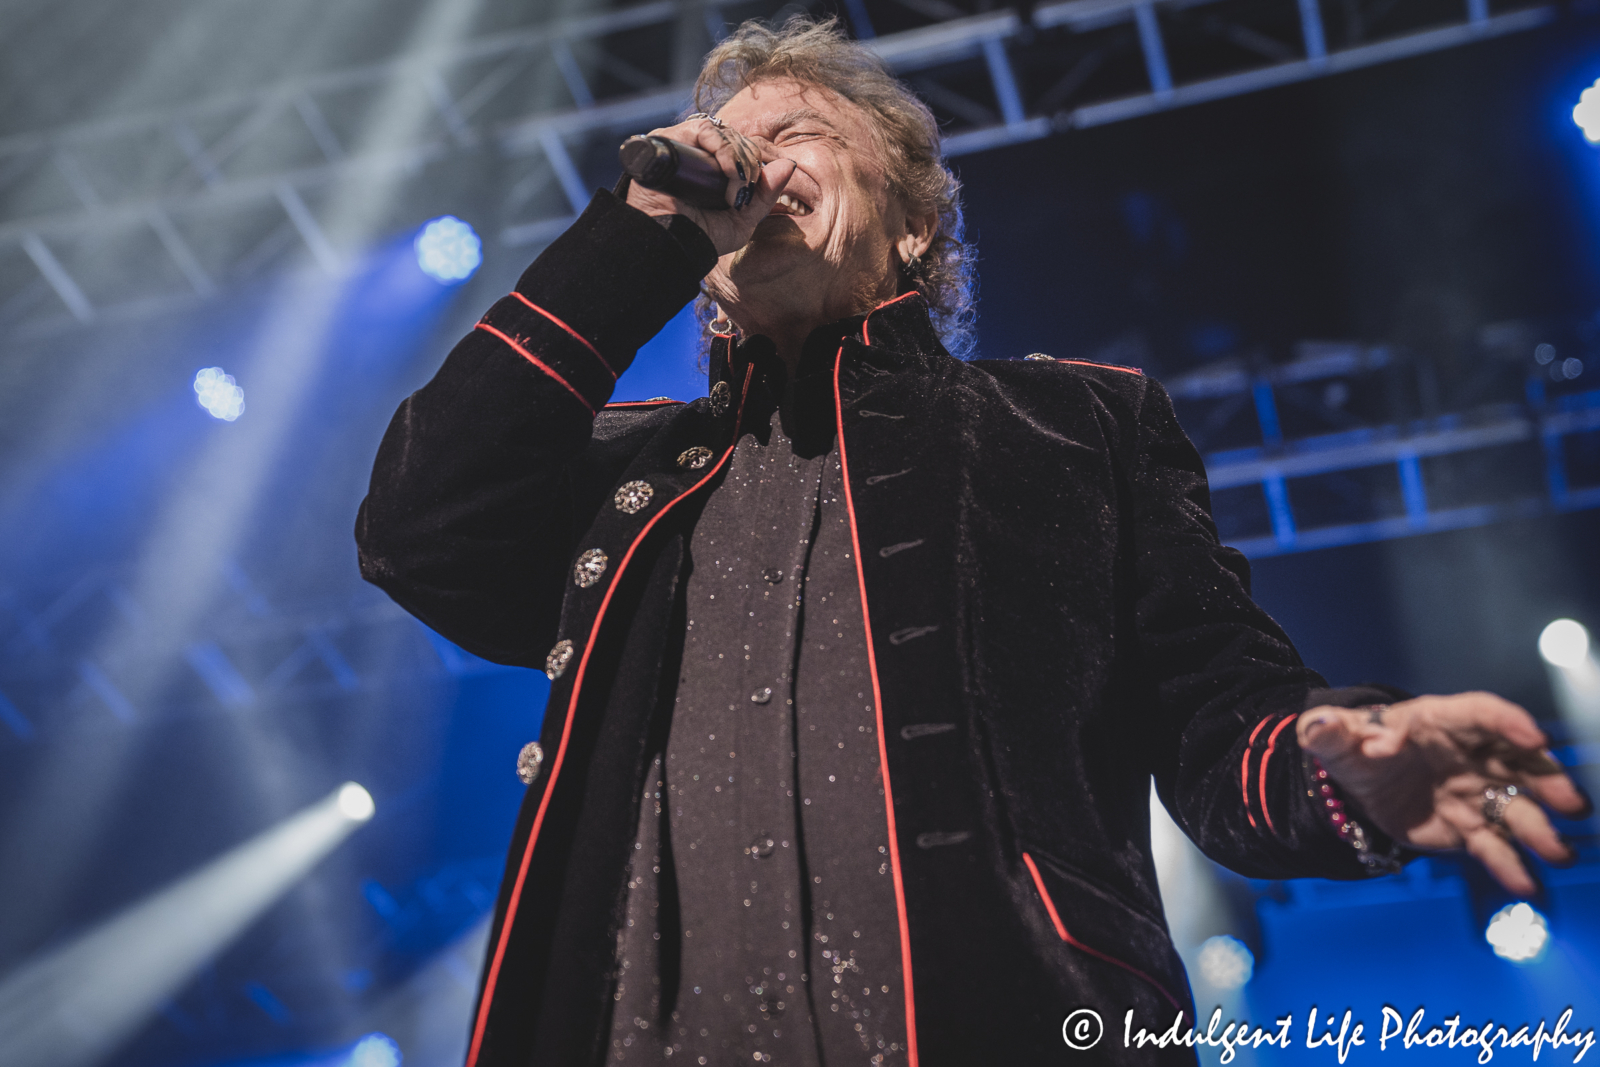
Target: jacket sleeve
[[483, 480], [1225, 682]]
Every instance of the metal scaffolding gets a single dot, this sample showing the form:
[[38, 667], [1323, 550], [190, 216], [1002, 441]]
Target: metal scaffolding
[[1489, 430], [228, 184]]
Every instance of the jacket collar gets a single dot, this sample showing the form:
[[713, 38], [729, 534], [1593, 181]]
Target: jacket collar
[[896, 334]]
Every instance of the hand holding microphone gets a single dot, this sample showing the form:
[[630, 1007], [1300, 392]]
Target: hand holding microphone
[[709, 172], [676, 169]]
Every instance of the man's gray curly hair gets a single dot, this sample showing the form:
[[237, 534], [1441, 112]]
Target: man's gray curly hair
[[817, 52]]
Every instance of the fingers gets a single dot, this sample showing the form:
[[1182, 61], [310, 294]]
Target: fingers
[[1557, 791], [1529, 824], [738, 156], [1331, 734], [742, 157], [1500, 860], [1495, 716], [1420, 769], [770, 182], [1503, 742]]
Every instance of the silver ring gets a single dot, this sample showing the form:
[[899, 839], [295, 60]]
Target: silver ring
[[1496, 799], [718, 123]]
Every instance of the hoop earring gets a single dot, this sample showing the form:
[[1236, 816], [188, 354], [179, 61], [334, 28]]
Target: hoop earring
[[720, 325]]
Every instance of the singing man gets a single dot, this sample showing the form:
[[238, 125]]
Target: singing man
[[862, 663]]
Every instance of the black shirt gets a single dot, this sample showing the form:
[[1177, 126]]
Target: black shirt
[[760, 920]]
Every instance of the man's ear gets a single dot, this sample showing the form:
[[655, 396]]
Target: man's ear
[[921, 229]]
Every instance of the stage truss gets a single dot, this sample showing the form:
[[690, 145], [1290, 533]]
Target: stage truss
[[214, 193]]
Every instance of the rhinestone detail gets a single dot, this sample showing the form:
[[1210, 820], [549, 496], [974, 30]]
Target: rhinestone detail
[[530, 761], [721, 394], [762, 695], [590, 566], [556, 662], [633, 497], [762, 846], [1040, 355], [692, 459]]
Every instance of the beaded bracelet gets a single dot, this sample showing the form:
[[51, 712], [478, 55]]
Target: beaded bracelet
[[1349, 830]]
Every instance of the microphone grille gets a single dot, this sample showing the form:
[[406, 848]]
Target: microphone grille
[[648, 160]]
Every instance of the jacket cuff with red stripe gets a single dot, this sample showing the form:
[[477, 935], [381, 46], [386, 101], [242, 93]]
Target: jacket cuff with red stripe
[[602, 289], [1281, 799]]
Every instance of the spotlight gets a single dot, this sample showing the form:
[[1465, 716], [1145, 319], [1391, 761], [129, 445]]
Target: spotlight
[[1587, 113], [1564, 643], [219, 394], [375, 1050], [355, 803], [1517, 933], [448, 250], [1226, 962]]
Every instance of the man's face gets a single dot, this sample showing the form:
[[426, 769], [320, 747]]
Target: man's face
[[827, 250]]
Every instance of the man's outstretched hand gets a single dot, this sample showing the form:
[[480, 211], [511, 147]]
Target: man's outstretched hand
[[1419, 770]]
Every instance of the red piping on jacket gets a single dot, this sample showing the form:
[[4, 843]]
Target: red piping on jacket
[[575, 334], [566, 732], [1050, 906], [1102, 366], [1272, 740], [880, 307], [1244, 772], [877, 703], [537, 362]]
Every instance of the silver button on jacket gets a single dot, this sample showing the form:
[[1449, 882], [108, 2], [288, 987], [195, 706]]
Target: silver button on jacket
[[589, 568], [530, 761]]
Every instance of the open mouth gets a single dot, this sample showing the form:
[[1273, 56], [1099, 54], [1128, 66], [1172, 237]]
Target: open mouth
[[788, 205]]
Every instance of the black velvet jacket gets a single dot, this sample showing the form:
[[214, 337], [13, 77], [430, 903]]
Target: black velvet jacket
[[1068, 627]]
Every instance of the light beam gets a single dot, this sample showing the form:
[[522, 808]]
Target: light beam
[[74, 1006]]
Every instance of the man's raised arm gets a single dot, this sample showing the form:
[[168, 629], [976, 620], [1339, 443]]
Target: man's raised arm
[[484, 476]]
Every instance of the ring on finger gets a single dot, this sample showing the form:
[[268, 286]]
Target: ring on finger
[[1496, 799], [718, 123]]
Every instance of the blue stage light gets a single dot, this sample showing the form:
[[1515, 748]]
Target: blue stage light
[[1518, 933], [375, 1050], [1226, 962], [448, 250], [219, 394], [1587, 113]]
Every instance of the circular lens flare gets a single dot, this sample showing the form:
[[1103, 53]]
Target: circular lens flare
[[1226, 962], [375, 1050], [448, 250], [1518, 933], [219, 394], [1564, 643], [1587, 113]]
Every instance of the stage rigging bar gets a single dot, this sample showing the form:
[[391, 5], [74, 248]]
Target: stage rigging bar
[[1404, 446], [482, 69]]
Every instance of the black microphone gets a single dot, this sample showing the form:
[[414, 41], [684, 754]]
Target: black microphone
[[677, 169]]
